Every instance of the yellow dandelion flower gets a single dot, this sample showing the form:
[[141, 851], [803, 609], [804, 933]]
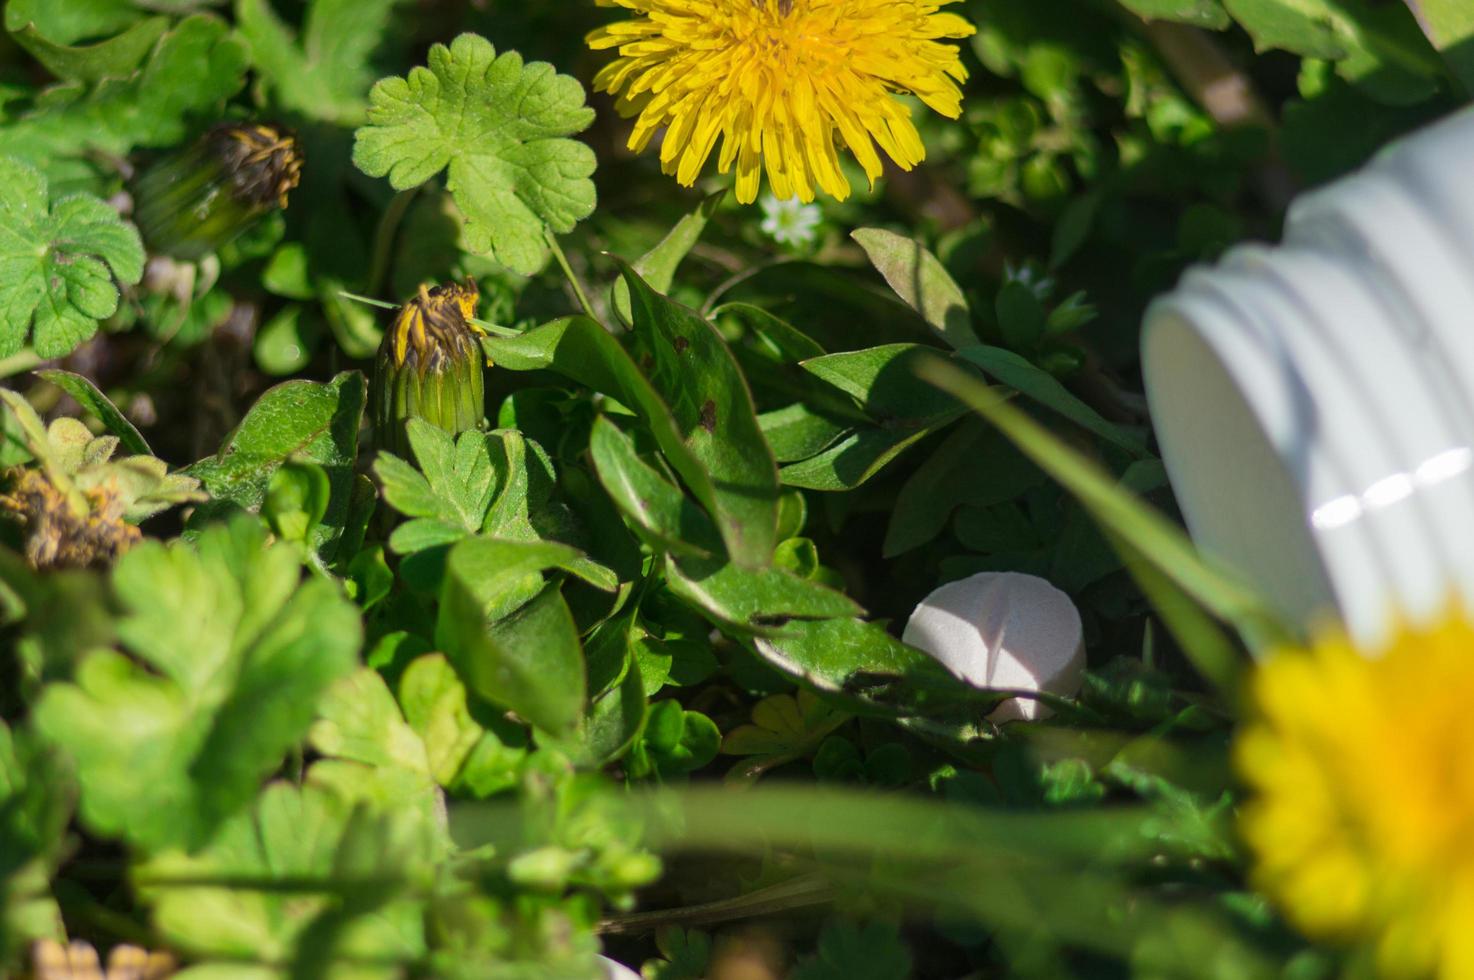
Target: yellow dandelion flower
[[783, 83], [1362, 818]]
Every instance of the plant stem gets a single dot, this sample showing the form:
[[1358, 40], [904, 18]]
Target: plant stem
[[18, 363], [801, 892], [583, 299], [384, 237]]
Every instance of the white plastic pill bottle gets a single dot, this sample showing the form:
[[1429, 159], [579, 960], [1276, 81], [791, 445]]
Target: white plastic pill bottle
[[1314, 401]]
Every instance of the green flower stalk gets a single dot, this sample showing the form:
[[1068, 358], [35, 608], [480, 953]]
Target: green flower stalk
[[193, 202], [430, 367]]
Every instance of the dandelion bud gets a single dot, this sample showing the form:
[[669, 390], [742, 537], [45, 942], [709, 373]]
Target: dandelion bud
[[430, 367], [191, 203]]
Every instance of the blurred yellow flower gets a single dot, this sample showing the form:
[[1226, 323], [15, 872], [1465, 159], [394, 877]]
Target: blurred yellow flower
[[1362, 818], [784, 83]]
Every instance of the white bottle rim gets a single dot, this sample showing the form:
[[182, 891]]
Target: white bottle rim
[[1227, 418], [1362, 323], [1315, 403]]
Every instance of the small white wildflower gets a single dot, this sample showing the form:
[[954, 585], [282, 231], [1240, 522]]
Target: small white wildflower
[[1029, 275], [789, 222]]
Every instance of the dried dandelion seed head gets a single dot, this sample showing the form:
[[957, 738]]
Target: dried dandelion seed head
[[61, 535]]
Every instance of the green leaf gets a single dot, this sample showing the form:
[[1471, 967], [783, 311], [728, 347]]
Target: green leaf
[[615, 720], [1159, 542], [296, 500], [657, 509], [496, 484], [74, 22], [529, 659], [1020, 315], [753, 600], [919, 278], [1377, 48], [326, 73], [698, 378], [453, 487], [1449, 24], [860, 663], [675, 741], [882, 380], [778, 340], [191, 71], [305, 420], [1039, 385], [115, 57], [525, 507], [859, 456], [285, 343], [580, 349], [501, 129], [798, 432], [370, 756], [658, 266], [1199, 13], [434, 702], [687, 953], [851, 952], [93, 400], [362, 864], [60, 262], [784, 727], [358, 720], [288, 273], [231, 656], [37, 793], [975, 465]]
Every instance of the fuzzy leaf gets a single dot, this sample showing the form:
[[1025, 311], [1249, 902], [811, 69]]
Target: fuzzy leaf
[[58, 263], [303, 420], [500, 128], [231, 657]]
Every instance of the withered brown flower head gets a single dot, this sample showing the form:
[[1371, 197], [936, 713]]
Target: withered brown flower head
[[436, 324], [61, 535], [264, 161]]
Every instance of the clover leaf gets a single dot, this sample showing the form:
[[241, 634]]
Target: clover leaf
[[229, 658], [500, 128], [58, 263]]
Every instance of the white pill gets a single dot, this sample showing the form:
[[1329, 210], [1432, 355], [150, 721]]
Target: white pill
[[1004, 630]]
